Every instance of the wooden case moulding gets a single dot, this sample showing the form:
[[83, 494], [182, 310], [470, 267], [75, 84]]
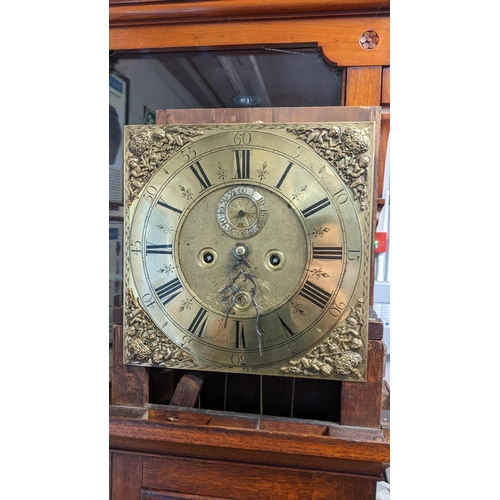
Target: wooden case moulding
[[121, 10], [208, 435], [337, 27]]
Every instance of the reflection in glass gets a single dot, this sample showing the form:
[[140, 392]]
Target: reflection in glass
[[227, 79]]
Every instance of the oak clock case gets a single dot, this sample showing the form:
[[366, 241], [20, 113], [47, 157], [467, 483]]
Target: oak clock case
[[248, 247]]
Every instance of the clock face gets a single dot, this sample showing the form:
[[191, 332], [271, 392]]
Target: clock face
[[247, 248]]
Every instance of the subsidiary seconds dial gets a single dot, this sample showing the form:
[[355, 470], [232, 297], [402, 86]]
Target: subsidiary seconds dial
[[242, 212]]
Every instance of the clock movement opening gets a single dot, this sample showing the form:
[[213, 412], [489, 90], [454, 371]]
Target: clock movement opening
[[292, 397]]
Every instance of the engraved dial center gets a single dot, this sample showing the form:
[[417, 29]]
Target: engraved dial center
[[207, 254]]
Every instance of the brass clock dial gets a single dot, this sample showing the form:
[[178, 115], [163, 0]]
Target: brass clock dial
[[248, 247]]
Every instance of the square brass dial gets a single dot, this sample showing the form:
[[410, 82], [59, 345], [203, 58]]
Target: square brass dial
[[248, 247]]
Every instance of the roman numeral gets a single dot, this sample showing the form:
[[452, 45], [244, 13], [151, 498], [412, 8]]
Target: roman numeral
[[285, 327], [195, 327], [170, 207], [242, 164], [168, 290], [240, 335], [165, 249], [200, 174], [332, 253], [315, 294], [285, 173], [316, 207]]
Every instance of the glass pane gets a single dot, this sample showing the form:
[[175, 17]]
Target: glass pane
[[227, 79]]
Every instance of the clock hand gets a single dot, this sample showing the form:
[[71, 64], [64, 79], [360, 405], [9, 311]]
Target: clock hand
[[229, 297]]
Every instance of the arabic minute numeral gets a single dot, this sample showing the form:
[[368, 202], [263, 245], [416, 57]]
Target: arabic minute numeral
[[243, 138], [150, 193], [336, 309], [353, 254], [136, 247], [148, 300], [340, 197], [238, 359], [189, 154]]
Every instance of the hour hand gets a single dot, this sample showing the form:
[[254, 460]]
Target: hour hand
[[231, 292]]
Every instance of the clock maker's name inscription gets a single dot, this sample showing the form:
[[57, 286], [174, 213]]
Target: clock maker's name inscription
[[250, 343]]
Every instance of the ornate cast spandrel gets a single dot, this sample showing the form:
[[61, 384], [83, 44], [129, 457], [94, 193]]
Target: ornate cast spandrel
[[145, 343], [345, 149], [338, 354], [147, 149]]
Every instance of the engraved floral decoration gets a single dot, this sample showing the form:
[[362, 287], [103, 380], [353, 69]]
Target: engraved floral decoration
[[297, 308], [186, 192], [344, 149], [221, 172], [319, 231], [167, 268], [318, 273], [262, 172], [339, 354], [166, 229], [147, 149], [186, 304], [145, 343], [299, 193]]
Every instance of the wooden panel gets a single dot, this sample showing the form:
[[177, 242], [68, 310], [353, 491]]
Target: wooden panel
[[219, 115], [327, 113], [126, 476], [357, 488], [130, 384], [240, 481], [386, 86], [361, 404], [268, 115], [338, 37], [363, 86], [375, 327]]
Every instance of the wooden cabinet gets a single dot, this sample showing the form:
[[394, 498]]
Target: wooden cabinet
[[162, 451]]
